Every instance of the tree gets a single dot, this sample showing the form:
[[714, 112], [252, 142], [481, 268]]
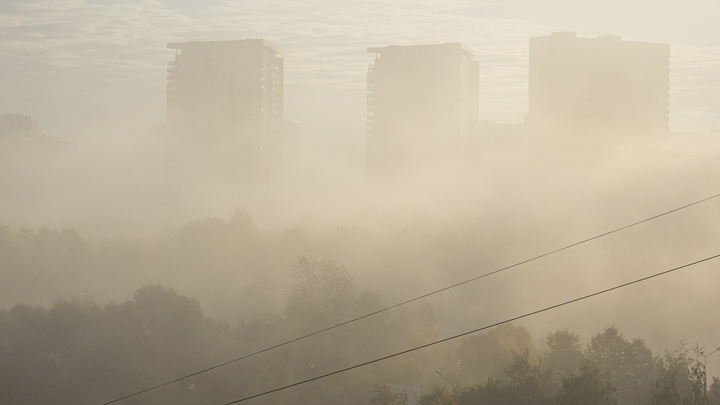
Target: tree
[[27, 367], [588, 387], [323, 292], [714, 392], [565, 353], [489, 354], [696, 394], [673, 377], [627, 364], [438, 396], [386, 395], [494, 392], [528, 382], [37, 264]]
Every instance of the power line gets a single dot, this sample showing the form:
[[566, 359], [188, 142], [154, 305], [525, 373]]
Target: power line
[[412, 300], [473, 331]]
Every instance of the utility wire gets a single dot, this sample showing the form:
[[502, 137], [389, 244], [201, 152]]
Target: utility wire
[[617, 287], [413, 299]]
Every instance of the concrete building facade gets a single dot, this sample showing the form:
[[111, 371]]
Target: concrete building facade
[[585, 93], [225, 104], [422, 106]]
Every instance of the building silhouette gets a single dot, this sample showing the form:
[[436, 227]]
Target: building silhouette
[[225, 106], [17, 125], [422, 107], [589, 93]]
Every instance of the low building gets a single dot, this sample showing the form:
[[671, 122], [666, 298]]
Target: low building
[[17, 125]]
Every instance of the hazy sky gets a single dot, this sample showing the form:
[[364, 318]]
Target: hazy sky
[[88, 68]]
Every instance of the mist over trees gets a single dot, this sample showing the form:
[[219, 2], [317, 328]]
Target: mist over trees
[[80, 352], [202, 202], [86, 343]]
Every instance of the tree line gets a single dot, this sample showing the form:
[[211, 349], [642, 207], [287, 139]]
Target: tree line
[[610, 370], [80, 352]]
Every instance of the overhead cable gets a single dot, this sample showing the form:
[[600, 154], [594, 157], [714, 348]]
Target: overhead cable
[[414, 299], [473, 331]]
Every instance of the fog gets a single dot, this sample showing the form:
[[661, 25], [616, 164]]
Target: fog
[[367, 174]]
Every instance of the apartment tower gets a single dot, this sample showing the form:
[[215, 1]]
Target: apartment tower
[[225, 106], [422, 107], [587, 94]]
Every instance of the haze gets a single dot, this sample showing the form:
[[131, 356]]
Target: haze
[[371, 178]]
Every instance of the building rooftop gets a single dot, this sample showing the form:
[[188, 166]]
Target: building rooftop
[[229, 45], [606, 38], [393, 48]]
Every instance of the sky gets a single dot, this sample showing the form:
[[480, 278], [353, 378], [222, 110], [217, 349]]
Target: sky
[[96, 68]]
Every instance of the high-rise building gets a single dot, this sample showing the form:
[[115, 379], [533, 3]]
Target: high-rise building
[[225, 104], [586, 93], [422, 106]]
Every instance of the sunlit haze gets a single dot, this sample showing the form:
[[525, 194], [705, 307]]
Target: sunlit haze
[[186, 183]]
